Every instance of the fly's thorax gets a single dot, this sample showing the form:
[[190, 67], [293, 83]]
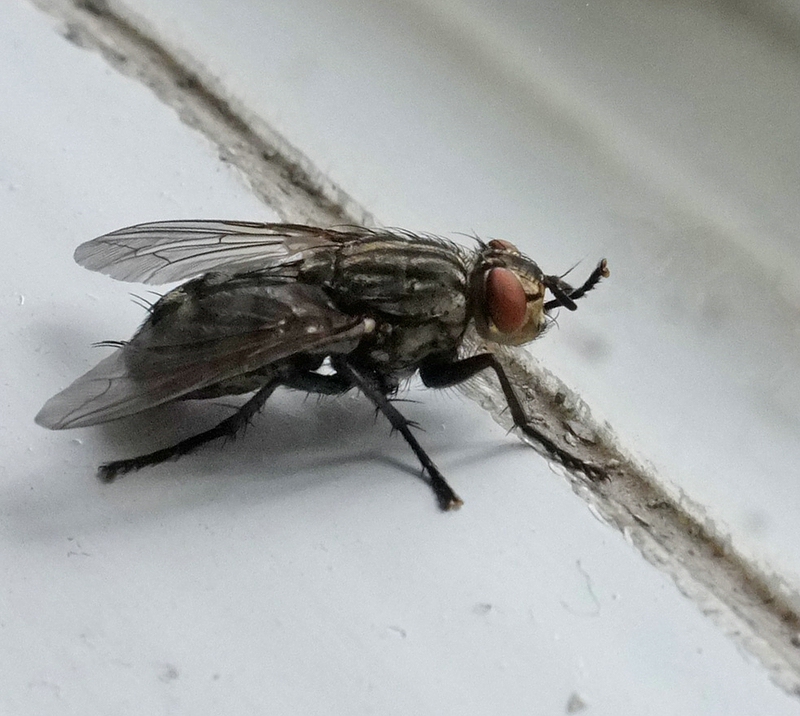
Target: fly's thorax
[[414, 288], [393, 277], [507, 295]]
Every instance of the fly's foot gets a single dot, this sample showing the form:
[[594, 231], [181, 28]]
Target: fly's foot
[[594, 472], [448, 500], [109, 471], [455, 504]]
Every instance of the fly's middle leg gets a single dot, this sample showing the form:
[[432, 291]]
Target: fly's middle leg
[[447, 498], [443, 374]]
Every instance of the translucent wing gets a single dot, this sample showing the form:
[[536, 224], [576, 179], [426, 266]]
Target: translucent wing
[[174, 356], [105, 393], [165, 251]]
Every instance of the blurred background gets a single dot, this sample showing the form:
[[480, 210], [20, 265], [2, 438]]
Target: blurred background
[[305, 569]]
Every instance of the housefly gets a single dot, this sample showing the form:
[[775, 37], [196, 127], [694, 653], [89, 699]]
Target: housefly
[[265, 305]]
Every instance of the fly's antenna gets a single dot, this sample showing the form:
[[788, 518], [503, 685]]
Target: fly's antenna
[[561, 290], [566, 295]]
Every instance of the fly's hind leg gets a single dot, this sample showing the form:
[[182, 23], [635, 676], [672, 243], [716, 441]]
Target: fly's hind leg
[[227, 428]]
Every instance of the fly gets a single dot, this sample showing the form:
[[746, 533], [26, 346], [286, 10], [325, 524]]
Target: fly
[[265, 305]]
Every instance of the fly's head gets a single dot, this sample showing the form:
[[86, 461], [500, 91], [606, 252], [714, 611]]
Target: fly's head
[[508, 294]]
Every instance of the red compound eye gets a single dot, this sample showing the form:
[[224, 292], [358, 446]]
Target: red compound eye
[[505, 299]]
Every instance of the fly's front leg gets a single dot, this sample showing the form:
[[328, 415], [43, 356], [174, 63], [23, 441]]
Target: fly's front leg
[[443, 375], [447, 498]]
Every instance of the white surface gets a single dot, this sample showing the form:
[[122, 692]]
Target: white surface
[[303, 569], [663, 137]]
